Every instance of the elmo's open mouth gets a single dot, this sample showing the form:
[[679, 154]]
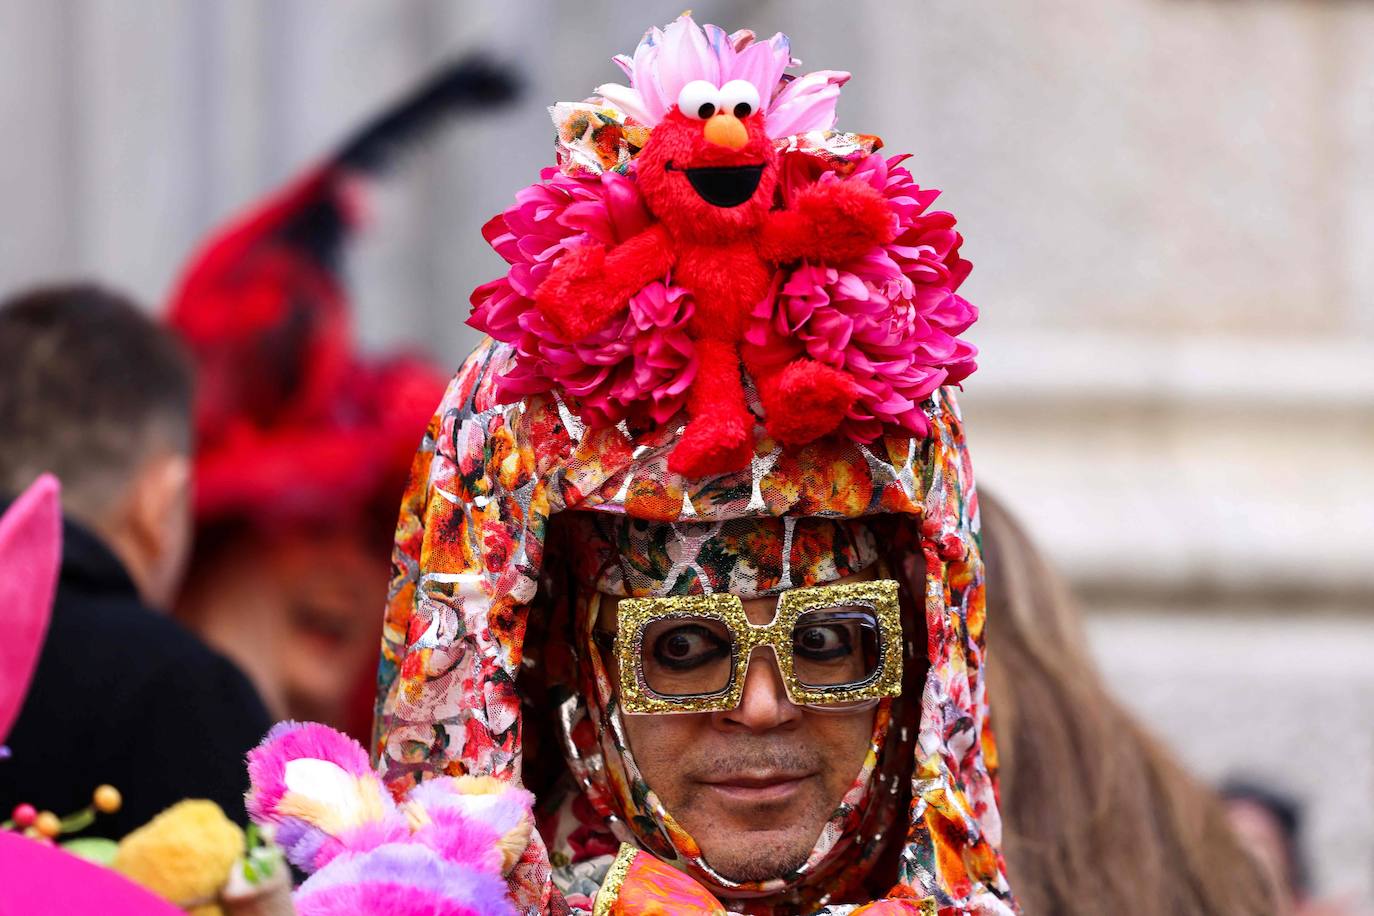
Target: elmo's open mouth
[[724, 186]]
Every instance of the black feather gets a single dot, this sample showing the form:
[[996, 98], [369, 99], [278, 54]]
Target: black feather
[[318, 231], [472, 82]]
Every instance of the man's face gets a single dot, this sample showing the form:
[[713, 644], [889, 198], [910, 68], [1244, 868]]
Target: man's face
[[298, 611], [755, 785]]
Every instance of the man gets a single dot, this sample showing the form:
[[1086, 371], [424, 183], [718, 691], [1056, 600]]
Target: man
[[97, 393], [748, 678]]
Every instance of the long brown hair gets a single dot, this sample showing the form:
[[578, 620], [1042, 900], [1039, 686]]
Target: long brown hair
[[1098, 818]]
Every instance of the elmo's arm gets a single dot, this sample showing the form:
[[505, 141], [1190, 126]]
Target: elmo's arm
[[833, 221], [590, 284]]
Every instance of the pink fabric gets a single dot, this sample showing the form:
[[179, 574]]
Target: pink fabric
[[30, 553], [670, 58], [890, 319], [37, 878]]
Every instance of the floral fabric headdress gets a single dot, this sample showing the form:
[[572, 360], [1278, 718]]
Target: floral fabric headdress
[[890, 317], [592, 385]]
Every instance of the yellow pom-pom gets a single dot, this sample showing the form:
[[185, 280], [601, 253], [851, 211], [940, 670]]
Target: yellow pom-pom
[[47, 824], [184, 855], [107, 799]]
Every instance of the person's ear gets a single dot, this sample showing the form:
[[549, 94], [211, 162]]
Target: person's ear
[[158, 523]]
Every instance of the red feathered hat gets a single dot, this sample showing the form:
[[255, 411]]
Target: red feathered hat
[[292, 422]]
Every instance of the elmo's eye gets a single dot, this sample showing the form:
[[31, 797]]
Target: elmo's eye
[[698, 99], [740, 97]]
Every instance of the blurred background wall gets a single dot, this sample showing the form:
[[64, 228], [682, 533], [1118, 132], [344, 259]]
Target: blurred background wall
[[1170, 204]]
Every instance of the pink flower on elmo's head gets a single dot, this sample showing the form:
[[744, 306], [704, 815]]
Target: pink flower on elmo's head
[[668, 59]]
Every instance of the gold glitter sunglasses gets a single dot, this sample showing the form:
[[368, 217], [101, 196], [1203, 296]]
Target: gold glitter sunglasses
[[836, 646]]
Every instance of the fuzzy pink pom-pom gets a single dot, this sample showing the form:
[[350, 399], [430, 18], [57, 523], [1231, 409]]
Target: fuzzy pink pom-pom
[[468, 826], [459, 838], [339, 780], [402, 880], [288, 741]]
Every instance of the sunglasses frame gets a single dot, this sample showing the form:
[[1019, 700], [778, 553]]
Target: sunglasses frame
[[635, 615]]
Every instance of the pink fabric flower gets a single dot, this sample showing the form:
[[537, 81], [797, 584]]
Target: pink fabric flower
[[641, 362], [890, 318], [670, 58]]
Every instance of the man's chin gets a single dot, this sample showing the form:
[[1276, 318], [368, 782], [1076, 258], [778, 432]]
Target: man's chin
[[755, 848], [760, 856]]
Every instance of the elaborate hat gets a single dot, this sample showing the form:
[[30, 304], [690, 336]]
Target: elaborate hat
[[718, 311], [292, 421]]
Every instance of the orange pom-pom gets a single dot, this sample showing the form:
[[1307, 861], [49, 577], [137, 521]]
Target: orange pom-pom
[[48, 824], [107, 799]]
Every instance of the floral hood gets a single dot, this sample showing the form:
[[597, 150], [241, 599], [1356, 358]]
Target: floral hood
[[537, 423], [468, 564]]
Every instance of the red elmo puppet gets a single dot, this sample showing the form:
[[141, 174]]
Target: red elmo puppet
[[708, 174]]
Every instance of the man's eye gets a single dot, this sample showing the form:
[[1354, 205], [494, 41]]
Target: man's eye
[[822, 643], [688, 647]]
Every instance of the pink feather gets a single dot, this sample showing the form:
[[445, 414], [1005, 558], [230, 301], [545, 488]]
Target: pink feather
[[30, 553], [668, 59]]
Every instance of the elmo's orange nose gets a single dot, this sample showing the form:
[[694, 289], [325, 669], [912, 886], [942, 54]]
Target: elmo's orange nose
[[726, 130]]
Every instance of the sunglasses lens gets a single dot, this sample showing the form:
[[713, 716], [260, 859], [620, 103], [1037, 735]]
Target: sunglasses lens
[[687, 656], [835, 647]]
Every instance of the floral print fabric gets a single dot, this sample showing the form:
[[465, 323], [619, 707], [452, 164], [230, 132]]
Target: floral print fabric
[[469, 560], [751, 558]]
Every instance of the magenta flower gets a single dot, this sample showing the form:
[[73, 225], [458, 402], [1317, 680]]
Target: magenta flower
[[890, 318], [641, 362]]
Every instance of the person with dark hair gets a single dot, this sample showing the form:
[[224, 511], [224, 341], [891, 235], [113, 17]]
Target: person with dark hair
[[95, 392], [716, 602], [1269, 824]]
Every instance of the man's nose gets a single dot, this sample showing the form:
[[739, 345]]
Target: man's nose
[[764, 705], [724, 129]]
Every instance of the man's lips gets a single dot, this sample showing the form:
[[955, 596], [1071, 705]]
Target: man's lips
[[758, 788], [722, 185]]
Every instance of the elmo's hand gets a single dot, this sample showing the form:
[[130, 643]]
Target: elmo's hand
[[830, 221], [572, 297], [588, 285]]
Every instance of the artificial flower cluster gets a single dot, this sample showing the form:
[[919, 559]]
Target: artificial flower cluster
[[890, 319]]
